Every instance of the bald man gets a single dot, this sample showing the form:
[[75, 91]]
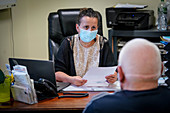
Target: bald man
[[139, 69]]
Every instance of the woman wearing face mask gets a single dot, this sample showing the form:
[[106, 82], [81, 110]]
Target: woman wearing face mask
[[78, 53]]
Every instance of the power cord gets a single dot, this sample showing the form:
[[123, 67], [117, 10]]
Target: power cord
[[73, 95]]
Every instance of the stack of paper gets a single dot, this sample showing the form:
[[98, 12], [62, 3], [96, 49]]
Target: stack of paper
[[96, 76], [23, 88], [96, 81], [111, 87], [129, 6]]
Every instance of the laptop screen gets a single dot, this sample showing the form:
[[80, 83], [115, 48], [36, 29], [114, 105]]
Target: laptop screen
[[36, 68]]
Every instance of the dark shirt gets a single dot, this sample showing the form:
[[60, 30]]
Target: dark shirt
[[64, 60], [149, 101]]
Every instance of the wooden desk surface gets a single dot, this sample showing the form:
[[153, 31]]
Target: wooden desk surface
[[66, 104]]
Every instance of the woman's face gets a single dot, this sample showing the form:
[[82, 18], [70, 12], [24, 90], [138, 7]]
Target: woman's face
[[87, 23]]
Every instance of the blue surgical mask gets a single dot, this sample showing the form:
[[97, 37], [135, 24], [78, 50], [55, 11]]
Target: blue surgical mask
[[87, 36]]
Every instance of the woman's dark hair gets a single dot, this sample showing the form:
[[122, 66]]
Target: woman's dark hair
[[87, 12]]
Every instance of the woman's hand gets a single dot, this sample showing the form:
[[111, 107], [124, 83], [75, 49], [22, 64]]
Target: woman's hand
[[78, 81], [112, 78]]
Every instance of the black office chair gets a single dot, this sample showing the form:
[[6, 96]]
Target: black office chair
[[62, 24]]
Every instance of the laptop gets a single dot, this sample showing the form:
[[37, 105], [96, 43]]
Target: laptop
[[38, 69]]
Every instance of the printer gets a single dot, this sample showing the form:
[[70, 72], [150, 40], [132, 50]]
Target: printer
[[129, 18]]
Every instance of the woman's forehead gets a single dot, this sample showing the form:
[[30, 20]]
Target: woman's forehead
[[89, 20]]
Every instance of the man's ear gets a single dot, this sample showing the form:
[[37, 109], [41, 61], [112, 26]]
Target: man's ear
[[121, 74], [162, 68], [77, 28]]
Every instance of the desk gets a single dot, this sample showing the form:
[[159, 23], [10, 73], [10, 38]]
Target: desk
[[55, 104], [125, 35]]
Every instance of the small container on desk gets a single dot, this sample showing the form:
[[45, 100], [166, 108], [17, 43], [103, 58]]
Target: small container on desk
[[5, 89]]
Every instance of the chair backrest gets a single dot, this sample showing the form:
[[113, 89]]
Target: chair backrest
[[62, 24]]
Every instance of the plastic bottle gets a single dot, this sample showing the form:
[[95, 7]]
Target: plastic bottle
[[162, 16]]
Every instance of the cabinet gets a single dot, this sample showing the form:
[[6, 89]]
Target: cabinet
[[118, 38]]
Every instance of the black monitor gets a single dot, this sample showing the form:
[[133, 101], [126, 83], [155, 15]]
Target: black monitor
[[36, 68]]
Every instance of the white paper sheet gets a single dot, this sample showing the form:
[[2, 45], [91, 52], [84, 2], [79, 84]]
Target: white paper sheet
[[112, 87], [96, 76], [23, 88], [96, 81], [129, 6]]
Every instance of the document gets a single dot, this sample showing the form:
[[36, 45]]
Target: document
[[96, 80], [23, 88], [129, 6], [96, 76], [110, 87]]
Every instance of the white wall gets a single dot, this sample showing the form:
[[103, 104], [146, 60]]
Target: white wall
[[30, 25], [5, 37]]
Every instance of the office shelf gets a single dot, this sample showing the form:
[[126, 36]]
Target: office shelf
[[118, 38]]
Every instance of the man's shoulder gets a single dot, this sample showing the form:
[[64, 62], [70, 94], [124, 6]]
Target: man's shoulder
[[103, 102], [106, 96], [101, 95], [130, 100], [124, 95], [165, 89]]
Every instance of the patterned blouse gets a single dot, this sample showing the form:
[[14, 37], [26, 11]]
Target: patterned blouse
[[85, 58]]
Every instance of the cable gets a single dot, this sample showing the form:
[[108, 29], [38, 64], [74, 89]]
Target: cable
[[73, 95], [12, 34]]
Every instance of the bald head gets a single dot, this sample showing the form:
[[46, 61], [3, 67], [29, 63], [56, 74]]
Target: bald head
[[140, 60]]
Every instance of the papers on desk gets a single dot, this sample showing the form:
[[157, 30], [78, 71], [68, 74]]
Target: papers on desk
[[23, 88], [96, 81], [130, 6], [111, 87], [96, 76]]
